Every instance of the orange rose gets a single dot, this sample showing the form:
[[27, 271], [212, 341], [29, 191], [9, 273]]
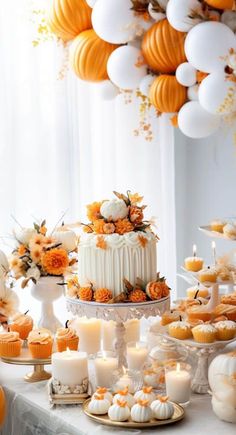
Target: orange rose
[[135, 215]]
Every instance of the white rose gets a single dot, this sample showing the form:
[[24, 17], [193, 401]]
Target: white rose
[[23, 235], [67, 238], [4, 265], [114, 210]]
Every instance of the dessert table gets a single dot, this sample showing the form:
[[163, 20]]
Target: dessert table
[[29, 413]]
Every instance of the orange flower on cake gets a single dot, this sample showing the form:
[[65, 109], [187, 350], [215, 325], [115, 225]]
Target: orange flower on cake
[[93, 211], [102, 295], [98, 226], [86, 293], [109, 228], [157, 289], [136, 215], [123, 226], [137, 295], [55, 261]]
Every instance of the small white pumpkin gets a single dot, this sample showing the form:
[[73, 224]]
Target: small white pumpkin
[[162, 409], [145, 394], [114, 209], [224, 411], [141, 412], [119, 411], [102, 390], [98, 405], [66, 237], [224, 364], [23, 235], [124, 396]]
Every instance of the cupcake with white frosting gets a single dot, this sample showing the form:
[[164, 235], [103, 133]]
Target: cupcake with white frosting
[[226, 330], [205, 333]]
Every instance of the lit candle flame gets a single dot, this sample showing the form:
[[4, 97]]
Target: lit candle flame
[[194, 250]]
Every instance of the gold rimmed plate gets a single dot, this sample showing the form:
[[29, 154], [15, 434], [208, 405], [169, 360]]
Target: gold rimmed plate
[[104, 419]]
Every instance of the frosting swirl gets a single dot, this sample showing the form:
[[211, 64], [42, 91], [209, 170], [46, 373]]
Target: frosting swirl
[[66, 334], [22, 320], [8, 337], [116, 240], [205, 328], [179, 324], [40, 336]]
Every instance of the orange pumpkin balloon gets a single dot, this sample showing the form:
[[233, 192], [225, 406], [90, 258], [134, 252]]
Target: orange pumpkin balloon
[[166, 94], [163, 47], [89, 55], [68, 18], [2, 406], [221, 4]]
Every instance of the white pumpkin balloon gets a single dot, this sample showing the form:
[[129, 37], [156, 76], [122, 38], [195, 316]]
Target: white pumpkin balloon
[[179, 14], [125, 67], [224, 411], [195, 122], [23, 235], [141, 412], [186, 74], [98, 405], [192, 93], [229, 19], [162, 409], [145, 84], [207, 44], [224, 364], [115, 22], [67, 238], [217, 94], [119, 411]]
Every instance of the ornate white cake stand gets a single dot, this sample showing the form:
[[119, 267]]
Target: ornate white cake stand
[[120, 313]]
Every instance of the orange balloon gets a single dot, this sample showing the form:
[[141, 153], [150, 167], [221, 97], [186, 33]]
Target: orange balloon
[[166, 94], [68, 18], [89, 55], [163, 47], [221, 4], [2, 406]]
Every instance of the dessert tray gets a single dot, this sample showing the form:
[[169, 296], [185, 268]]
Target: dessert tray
[[207, 230], [104, 419], [25, 359]]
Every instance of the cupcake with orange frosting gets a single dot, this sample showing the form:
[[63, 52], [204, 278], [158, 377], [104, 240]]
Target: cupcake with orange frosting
[[66, 338], [40, 343], [23, 324], [10, 344]]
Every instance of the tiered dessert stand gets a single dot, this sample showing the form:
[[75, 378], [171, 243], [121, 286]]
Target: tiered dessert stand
[[120, 313]]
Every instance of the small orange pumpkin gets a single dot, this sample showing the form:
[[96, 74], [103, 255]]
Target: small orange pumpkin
[[89, 55], [68, 18], [2, 406], [163, 47], [166, 94], [221, 4]]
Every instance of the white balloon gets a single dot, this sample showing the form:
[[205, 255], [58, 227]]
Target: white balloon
[[186, 74], [229, 19], [218, 95], [192, 93], [178, 14], [206, 45], [91, 3], [115, 22], [122, 67], [107, 90], [157, 16], [195, 122], [146, 83]]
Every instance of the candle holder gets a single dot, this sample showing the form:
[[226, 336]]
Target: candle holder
[[105, 363], [60, 394], [178, 382], [123, 378], [137, 353]]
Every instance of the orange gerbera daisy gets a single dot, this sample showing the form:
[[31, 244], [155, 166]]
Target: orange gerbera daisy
[[93, 211], [123, 226], [98, 226], [55, 261]]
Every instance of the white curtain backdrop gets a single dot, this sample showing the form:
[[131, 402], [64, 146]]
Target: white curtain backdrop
[[62, 146]]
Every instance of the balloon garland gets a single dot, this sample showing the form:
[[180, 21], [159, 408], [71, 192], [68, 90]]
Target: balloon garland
[[180, 55]]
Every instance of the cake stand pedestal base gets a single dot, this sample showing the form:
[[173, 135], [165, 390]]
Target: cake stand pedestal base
[[120, 344], [39, 374]]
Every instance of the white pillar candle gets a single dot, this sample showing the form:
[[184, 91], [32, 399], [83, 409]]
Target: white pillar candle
[[178, 384], [132, 330], [70, 367], [89, 332], [136, 355], [104, 370]]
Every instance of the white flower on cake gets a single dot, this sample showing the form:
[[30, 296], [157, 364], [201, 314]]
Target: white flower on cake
[[114, 209], [23, 235]]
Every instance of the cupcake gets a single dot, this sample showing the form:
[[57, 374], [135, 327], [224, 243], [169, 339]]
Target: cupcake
[[10, 344], [205, 333], [198, 312], [229, 230], [171, 316], [207, 275], [66, 338], [197, 292], [40, 343], [180, 330], [217, 225], [23, 324], [226, 330]]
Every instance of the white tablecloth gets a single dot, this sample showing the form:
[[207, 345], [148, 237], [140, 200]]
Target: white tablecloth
[[29, 413]]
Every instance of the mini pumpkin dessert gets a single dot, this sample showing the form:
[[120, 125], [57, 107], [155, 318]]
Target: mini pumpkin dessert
[[124, 396], [207, 275], [217, 225], [193, 264], [162, 409], [229, 230], [98, 405], [205, 333], [23, 324], [141, 412], [226, 330], [10, 344], [40, 343], [66, 338], [145, 394], [171, 316], [197, 292], [119, 411], [180, 330], [104, 392]]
